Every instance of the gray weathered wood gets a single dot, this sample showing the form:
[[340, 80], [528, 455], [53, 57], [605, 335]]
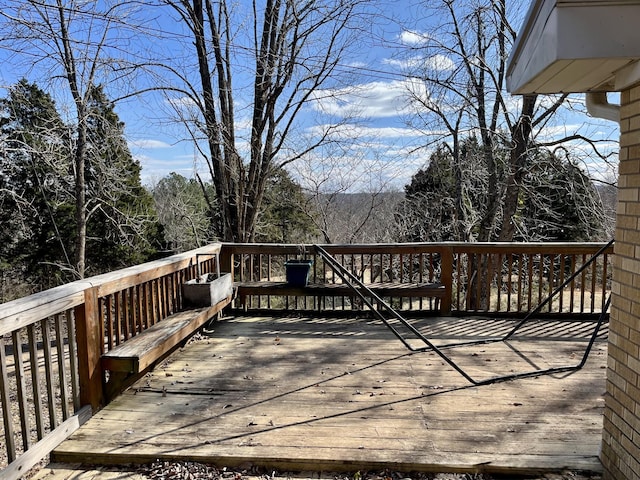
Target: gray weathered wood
[[21, 389], [10, 443], [63, 381], [48, 368], [323, 393], [35, 381], [40, 450], [141, 351]]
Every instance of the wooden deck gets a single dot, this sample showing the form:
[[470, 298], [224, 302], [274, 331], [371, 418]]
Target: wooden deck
[[298, 393]]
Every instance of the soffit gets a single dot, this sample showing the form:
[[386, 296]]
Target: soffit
[[576, 46]]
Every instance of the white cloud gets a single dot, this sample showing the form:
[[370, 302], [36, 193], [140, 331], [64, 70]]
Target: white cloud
[[411, 37], [441, 63], [148, 144], [436, 62], [369, 100], [365, 132]]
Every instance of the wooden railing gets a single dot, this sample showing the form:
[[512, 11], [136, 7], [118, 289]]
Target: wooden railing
[[51, 343], [496, 278]]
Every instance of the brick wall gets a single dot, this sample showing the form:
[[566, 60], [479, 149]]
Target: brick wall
[[621, 436]]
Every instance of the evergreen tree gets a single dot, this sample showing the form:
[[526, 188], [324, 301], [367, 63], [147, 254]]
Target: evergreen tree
[[557, 200], [37, 192], [36, 217], [439, 192], [183, 212], [560, 203], [282, 217], [428, 201]]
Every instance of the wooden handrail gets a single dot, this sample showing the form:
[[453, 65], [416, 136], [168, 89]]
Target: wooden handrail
[[479, 277], [87, 317]]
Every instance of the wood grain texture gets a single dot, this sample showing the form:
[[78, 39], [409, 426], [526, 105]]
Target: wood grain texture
[[17, 469], [313, 393], [139, 352], [384, 289]]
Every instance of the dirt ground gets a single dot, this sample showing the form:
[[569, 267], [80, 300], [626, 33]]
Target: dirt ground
[[196, 471]]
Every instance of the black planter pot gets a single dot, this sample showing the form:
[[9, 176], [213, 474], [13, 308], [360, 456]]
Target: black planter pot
[[298, 272]]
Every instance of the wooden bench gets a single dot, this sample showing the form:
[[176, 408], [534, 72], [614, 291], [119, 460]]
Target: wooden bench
[[127, 361], [383, 290]]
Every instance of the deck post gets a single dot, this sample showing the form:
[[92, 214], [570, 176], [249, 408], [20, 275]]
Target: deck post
[[89, 338], [446, 278], [226, 260]]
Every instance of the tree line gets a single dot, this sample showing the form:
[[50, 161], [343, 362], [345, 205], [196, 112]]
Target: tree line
[[70, 190], [128, 223]]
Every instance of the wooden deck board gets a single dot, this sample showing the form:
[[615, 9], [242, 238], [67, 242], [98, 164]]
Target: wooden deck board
[[313, 393]]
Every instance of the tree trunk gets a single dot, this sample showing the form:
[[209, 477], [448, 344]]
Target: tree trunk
[[80, 193], [518, 160]]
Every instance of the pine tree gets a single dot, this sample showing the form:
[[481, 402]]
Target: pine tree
[[557, 200], [38, 197], [183, 211], [282, 217], [560, 203], [36, 214]]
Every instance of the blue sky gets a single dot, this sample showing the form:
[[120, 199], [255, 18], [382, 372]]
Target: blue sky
[[384, 150]]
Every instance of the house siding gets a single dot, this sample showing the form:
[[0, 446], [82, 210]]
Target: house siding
[[621, 433]]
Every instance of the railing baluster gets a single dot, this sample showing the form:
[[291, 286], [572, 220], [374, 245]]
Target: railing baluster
[[140, 320], [133, 311], [269, 273], [36, 379], [5, 402], [509, 280], [480, 277], [520, 269], [560, 282], [540, 277], [62, 371], [594, 274], [162, 292], [499, 275], [530, 282], [73, 358], [259, 274], [21, 390], [48, 368], [117, 318], [572, 284], [155, 289], [605, 281], [554, 281], [583, 281], [146, 301], [126, 314], [108, 304], [460, 280]]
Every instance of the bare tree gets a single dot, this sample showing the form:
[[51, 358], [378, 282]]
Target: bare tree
[[460, 67], [70, 43], [261, 66]]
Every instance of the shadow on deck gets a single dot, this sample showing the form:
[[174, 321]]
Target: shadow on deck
[[323, 393]]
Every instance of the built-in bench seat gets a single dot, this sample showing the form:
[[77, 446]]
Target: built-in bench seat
[[383, 290], [137, 354]]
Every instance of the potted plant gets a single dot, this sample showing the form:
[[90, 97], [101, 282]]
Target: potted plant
[[297, 270]]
